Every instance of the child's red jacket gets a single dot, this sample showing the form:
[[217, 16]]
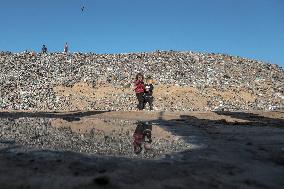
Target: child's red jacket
[[139, 86]]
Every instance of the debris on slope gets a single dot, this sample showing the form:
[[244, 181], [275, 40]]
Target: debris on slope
[[184, 81]]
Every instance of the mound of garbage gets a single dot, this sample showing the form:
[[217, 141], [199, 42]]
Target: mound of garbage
[[184, 81]]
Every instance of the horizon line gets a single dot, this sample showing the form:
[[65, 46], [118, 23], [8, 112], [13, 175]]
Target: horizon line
[[139, 52]]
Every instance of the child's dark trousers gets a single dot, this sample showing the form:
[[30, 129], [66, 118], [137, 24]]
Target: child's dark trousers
[[140, 99], [149, 100]]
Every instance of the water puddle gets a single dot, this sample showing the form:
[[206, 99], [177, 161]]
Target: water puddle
[[106, 137]]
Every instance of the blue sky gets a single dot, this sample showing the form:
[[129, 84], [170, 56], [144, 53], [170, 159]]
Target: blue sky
[[247, 28]]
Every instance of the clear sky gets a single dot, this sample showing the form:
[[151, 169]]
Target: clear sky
[[247, 28]]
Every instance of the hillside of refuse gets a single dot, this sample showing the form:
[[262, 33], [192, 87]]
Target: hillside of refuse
[[184, 81]]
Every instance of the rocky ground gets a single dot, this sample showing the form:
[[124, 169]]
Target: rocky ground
[[94, 150]]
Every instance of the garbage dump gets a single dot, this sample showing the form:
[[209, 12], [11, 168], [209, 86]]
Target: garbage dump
[[184, 81]]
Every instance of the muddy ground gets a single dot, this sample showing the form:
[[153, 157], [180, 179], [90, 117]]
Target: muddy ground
[[95, 150]]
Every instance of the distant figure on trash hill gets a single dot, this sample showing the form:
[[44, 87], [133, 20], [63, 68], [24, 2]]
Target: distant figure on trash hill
[[66, 48], [139, 90], [44, 49]]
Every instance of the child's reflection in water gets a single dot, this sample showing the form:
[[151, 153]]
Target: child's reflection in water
[[142, 135]]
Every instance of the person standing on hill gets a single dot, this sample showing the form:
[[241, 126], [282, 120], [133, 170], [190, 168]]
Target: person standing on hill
[[44, 49], [66, 48], [139, 90]]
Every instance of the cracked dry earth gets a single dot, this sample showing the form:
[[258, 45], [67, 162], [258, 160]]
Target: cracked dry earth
[[95, 150]]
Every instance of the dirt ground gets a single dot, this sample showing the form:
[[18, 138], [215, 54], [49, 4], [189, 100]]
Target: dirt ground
[[229, 150]]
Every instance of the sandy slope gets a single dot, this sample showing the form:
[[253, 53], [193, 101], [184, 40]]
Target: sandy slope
[[172, 97]]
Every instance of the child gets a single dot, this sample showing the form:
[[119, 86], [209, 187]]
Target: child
[[66, 48], [148, 93], [139, 90]]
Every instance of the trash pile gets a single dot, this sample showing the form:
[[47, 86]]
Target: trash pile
[[184, 81]]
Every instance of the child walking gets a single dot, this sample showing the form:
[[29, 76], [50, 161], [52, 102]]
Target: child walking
[[139, 90], [148, 93]]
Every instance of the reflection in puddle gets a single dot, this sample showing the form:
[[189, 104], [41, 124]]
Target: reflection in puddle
[[111, 137], [142, 135]]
